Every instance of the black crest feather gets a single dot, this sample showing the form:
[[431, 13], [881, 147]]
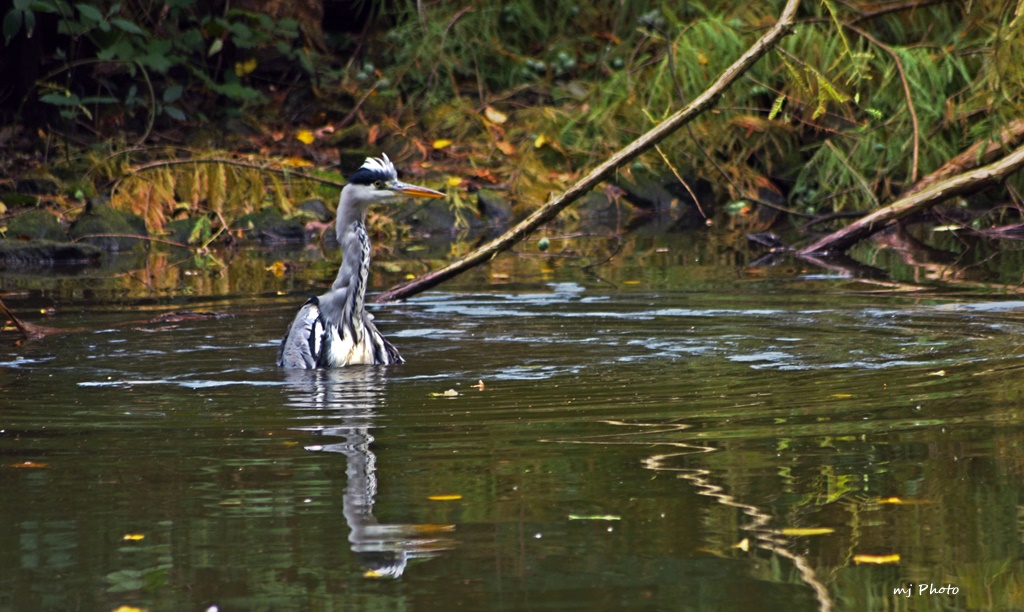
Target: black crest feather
[[374, 169]]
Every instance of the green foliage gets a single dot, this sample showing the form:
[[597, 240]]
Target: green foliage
[[161, 56], [493, 47], [19, 18], [853, 108], [908, 87]]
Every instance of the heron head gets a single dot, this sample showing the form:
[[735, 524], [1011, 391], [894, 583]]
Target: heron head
[[377, 181]]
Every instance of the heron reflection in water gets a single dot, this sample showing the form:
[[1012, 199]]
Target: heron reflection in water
[[334, 329], [349, 399]]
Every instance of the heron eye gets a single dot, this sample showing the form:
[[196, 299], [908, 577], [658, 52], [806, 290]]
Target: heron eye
[[378, 184]]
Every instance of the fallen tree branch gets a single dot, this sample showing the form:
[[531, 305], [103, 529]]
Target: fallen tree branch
[[30, 331], [633, 150], [934, 192], [981, 152]]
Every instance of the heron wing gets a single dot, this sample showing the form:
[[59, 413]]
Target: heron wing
[[383, 351], [356, 342], [302, 344]]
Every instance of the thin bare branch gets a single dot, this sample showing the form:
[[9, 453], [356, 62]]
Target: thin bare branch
[[856, 175], [895, 8], [241, 164], [906, 91]]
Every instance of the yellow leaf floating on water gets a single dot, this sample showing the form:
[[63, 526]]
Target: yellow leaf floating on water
[[448, 393], [494, 115], [807, 531], [540, 141], [842, 395], [444, 497], [442, 143], [594, 517], [937, 373], [305, 137], [896, 501], [432, 528], [876, 559], [29, 465], [133, 537], [744, 545], [129, 609], [375, 574]]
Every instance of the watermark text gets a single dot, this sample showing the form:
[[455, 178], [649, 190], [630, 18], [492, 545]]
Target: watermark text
[[925, 589]]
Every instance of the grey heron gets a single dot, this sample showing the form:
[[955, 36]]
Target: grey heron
[[334, 329]]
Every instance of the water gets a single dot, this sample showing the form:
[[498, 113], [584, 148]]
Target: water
[[800, 442]]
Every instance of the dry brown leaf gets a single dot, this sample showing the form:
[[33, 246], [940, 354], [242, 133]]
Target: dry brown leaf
[[506, 147]]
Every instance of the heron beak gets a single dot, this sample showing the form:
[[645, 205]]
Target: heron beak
[[415, 191]]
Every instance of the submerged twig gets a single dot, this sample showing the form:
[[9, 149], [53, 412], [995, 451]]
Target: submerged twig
[[30, 331]]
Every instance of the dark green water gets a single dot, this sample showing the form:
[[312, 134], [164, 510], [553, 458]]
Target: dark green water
[[645, 446]]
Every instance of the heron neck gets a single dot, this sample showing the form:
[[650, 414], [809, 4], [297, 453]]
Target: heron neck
[[355, 253]]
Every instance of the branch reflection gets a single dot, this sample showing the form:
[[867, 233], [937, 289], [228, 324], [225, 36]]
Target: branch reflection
[[705, 482]]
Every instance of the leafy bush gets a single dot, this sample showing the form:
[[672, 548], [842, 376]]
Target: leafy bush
[[860, 102], [144, 62]]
